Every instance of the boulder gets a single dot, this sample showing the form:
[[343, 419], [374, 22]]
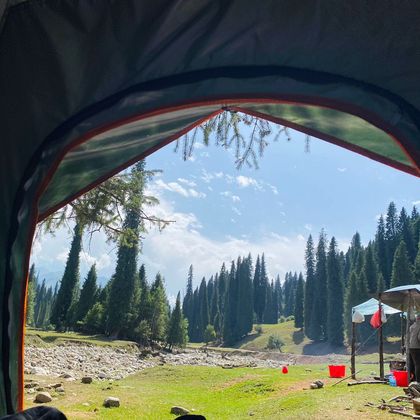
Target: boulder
[[111, 402], [32, 385], [60, 389], [43, 397], [179, 411], [36, 370], [87, 380]]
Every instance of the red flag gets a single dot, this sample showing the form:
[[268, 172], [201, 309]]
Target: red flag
[[375, 321]]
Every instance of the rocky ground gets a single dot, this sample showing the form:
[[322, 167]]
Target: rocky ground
[[74, 361]]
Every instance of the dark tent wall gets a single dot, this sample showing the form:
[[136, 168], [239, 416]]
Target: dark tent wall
[[87, 87]]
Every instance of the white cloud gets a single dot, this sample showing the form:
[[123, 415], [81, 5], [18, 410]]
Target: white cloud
[[341, 169], [416, 203], [233, 197], [177, 188], [187, 182], [308, 227], [237, 211], [245, 181], [274, 189], [183, 243]]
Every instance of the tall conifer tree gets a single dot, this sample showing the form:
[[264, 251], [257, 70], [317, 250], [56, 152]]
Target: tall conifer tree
[[335, 296], [69, 286], [402, 273], [299, 301], [309, 288]]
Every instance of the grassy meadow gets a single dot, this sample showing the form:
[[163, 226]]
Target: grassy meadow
[[218, 393]]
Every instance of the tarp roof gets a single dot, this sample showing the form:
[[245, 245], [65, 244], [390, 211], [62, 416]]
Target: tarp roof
[[89, 87], [371, 306], [400, 297]]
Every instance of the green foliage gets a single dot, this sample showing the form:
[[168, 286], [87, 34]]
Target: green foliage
[[94, 320], [335, 290], [120, 303], [177, 328], [402, 272], [309, 288], [88, 295], [209, 334], [30, 298], [68, 292], [275, 343], [259, 329], [299, 301]]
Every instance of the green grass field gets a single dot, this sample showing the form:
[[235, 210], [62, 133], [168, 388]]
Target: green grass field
[[223, 394]]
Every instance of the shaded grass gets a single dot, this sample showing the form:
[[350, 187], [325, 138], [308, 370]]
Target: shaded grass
[[224, 394], [44, 338]]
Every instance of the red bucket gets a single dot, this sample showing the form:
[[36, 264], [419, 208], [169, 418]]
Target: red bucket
[[337, 371], [401, 377]]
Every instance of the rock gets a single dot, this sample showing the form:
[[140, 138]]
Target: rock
[[32, 385], [87, 380], [43, 397], [65, 375], [86, 404], [57, 385], [36, 370], [60, 389], [30, 391], [179, 411], [102, 375], [111, 402]]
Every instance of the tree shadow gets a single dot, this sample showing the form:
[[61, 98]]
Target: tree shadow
[[298, 337], [322, 349]]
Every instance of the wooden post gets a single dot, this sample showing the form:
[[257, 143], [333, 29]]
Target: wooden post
[[403, 349], [407, 337], [381, 343], [353, 350]]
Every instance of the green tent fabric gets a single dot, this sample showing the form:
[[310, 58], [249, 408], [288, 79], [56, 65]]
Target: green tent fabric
[[88, 87]]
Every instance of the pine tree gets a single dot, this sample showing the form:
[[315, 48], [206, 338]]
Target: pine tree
[[187, 304], [259, 292], [88, 294], [299, 301], [31, 297], [177, 328], [335, 297], [370, 269], [381, 252], [229, 318], [391, 236], [417, 266], [279, 294], [120, 304], [309, 288], [404, 232], [319, 314], [245, 312], [402, 272], [159, 307], [352, 298], [204, 317], [69, 286]]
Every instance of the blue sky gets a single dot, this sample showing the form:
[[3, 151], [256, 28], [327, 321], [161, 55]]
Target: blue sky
[[221, 212]]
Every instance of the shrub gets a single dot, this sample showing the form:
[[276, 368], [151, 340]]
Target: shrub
[[275, 342], [259, 329], [209, 334], [282, 319]]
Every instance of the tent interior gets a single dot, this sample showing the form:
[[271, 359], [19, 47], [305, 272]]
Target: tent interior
[[88, 88]]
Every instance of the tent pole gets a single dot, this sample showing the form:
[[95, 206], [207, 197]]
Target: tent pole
[[407, 338], [381, 343], [403, 350], [353, 350]]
